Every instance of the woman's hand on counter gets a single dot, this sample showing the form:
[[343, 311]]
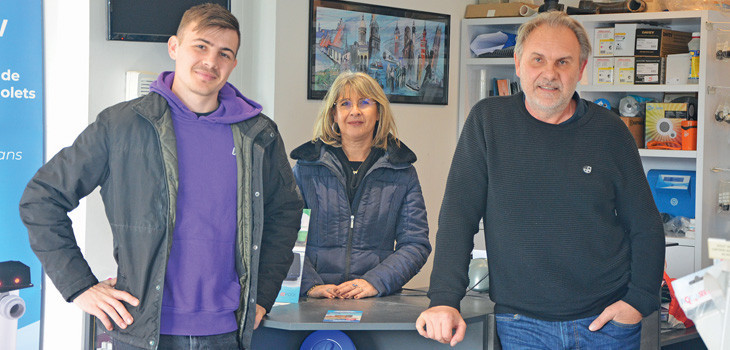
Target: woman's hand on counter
[[355, 289], [323, 291]]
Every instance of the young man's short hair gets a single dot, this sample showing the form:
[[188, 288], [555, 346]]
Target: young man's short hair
[[209, 15]]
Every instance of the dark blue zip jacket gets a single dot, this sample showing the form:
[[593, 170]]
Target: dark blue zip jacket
[[346, 242]]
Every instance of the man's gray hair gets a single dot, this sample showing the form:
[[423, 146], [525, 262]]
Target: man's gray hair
[[554, 19]]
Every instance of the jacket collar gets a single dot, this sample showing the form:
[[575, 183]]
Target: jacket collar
[[151, 106], [313, 150]]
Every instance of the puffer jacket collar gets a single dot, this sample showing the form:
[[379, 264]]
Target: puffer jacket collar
[[398, 156]]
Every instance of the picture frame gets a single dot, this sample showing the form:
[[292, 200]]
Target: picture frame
[[379, 41]]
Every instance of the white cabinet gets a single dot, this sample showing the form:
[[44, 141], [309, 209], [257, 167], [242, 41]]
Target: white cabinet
[[713, 148]]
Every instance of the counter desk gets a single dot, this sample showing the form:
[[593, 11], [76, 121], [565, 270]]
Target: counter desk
[[387, 322]]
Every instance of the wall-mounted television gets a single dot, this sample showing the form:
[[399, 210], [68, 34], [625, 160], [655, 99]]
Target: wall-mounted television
[[148, 20]]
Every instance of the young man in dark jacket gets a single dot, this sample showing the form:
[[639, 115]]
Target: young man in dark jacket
[[199, 194]]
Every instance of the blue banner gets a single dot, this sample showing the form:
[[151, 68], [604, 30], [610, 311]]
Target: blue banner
[[21, 154]]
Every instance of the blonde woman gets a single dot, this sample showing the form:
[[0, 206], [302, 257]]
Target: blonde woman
[[368, 233]]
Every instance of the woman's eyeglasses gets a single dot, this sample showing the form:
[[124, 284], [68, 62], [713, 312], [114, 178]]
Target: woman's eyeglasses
[[346, 105]]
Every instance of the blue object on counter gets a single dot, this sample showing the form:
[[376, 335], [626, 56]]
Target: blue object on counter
[[673, 191], [327, 340]]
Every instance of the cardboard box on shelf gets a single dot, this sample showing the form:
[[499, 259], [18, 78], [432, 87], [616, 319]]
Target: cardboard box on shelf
[[623, 73], [654, 6], [664, 125], [603, 42], [648, 70], [677, 69], [636, 127], [624, 35], [496, 10], [603, 70], [660, 42]]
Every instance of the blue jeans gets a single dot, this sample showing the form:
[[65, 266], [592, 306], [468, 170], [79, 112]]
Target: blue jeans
[[520, 332], [223, 341]]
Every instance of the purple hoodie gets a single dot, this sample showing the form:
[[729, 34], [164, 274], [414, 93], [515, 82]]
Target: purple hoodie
[[202, 292]]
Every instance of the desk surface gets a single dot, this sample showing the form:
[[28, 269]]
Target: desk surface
[[393, 312]]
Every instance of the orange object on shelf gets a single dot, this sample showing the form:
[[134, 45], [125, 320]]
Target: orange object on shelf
[[689, 135], [672, 145]]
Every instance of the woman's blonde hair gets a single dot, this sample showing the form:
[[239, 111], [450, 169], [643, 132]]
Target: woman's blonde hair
[[364, 85]]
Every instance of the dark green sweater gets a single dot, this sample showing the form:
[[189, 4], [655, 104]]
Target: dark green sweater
[[569, 220]]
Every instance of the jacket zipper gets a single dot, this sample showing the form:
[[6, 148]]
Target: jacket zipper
[[170, 225], [348, 258], [350, 233], [167, 183]]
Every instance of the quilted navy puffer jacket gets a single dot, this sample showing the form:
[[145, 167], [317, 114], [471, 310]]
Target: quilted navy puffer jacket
[[382, 238]]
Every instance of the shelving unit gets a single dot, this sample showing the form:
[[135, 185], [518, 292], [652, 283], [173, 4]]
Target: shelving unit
[[638, 88], [712, 137]]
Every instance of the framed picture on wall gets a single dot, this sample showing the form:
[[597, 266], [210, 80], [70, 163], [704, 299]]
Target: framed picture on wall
[[406, 51]]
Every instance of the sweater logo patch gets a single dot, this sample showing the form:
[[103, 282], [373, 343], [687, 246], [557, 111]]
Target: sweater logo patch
[[234, 151], [587, 169]]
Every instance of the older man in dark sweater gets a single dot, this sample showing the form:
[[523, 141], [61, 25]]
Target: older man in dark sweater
[[574, 240]]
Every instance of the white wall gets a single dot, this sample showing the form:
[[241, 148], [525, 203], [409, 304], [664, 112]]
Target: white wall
[[256, 67], [66, 87]]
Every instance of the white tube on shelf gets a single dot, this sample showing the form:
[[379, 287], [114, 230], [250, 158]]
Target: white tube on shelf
[[527, 11], [483, 84]]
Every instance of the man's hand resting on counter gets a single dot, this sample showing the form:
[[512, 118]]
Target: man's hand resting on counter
[[443, 324]]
